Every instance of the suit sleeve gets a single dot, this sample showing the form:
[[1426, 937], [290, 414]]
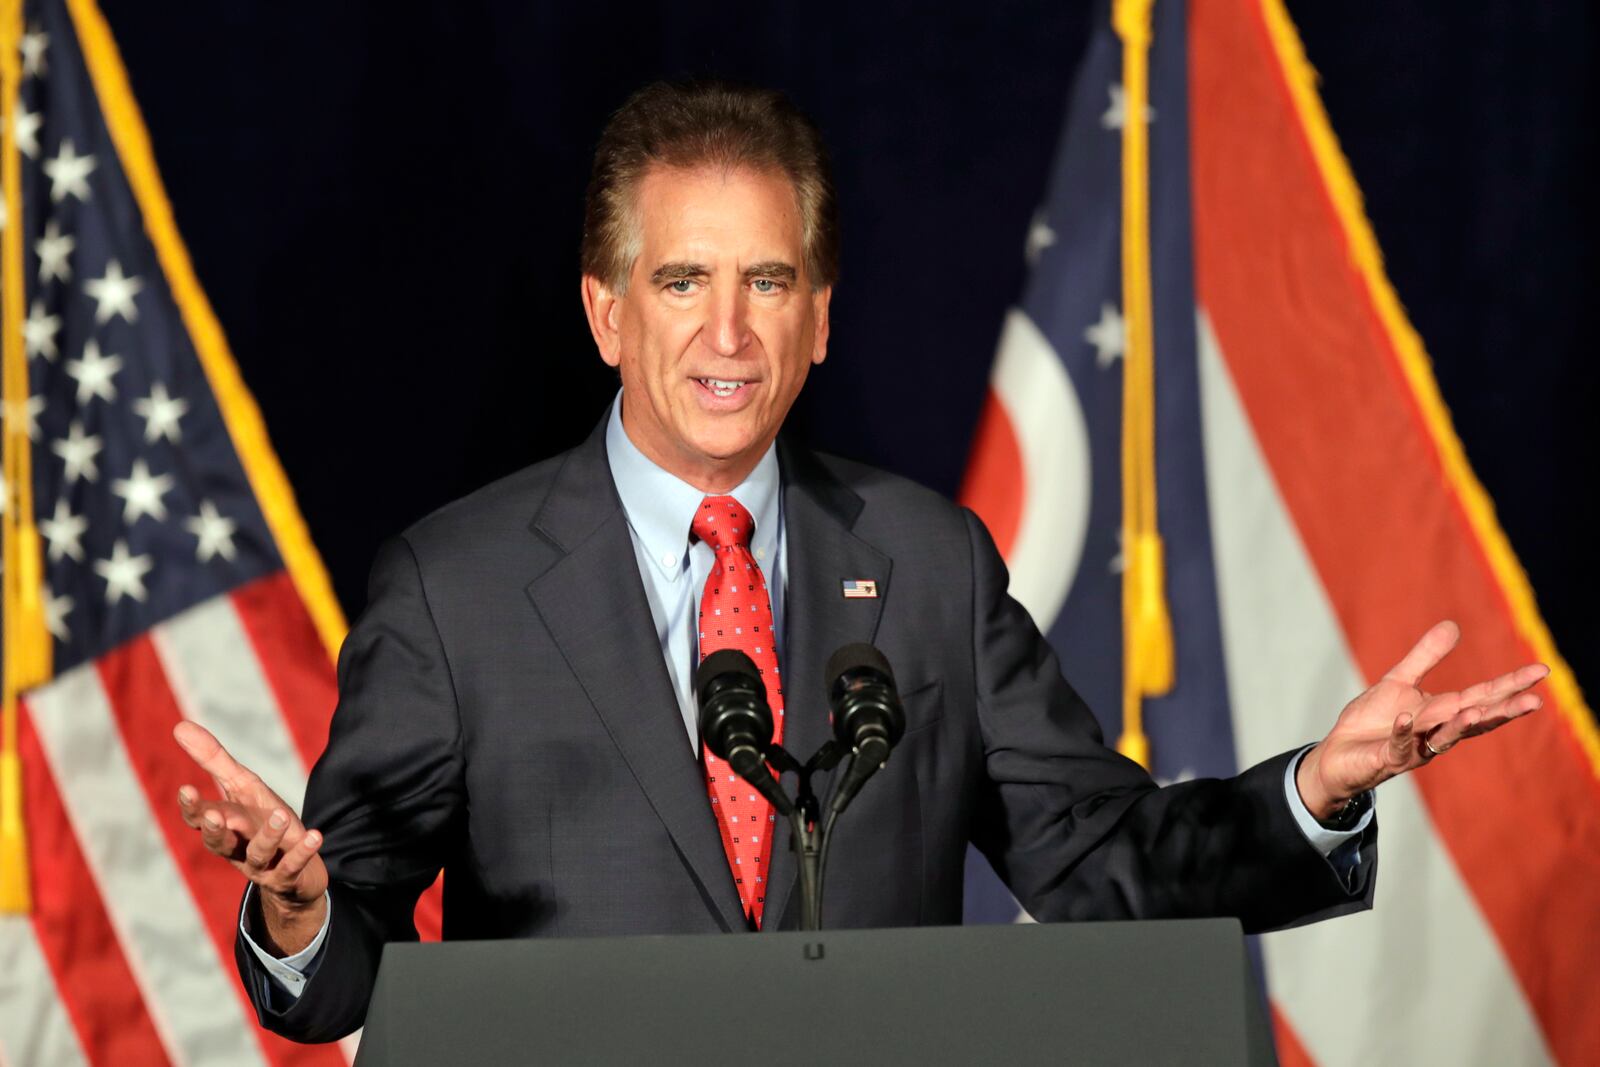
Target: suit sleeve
[[387, 795], [1080, 832]]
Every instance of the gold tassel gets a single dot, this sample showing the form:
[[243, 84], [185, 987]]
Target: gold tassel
[[27, 637], [15, 898], [1153, 626], [1146, 621]]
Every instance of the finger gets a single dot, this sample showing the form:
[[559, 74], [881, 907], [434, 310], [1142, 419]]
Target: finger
[[1515, 708], [1425, 655], [208, 752], [189, 805], [264, 845], [298, 855], [1497, 715], [214, 831], [291, 834], [1508, 684], [1402, 750], [1448, 734]]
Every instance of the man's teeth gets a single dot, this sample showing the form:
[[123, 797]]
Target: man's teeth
[[720, 387]]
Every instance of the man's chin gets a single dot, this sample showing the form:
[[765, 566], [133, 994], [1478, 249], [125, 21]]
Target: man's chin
[[722, 450]]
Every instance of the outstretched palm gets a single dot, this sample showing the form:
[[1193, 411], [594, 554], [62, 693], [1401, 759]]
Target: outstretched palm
[[251, 826], [1396, 726]]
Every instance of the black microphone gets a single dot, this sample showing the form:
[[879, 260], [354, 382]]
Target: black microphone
[[735, 721], [867, 717]]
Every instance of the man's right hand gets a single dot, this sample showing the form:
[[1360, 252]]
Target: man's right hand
[[253, 829]]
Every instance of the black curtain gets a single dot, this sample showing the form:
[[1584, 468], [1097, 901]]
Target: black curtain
[[383, 203]]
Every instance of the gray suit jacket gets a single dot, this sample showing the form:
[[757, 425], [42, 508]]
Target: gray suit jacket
[[505, 714]]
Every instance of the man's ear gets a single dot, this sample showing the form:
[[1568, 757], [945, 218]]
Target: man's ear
[[600, 306], [819, 313]]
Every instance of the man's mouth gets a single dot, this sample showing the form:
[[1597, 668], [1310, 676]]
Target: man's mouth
[[722, 387]]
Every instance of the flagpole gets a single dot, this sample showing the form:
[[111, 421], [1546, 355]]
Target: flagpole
[[1147, 665]]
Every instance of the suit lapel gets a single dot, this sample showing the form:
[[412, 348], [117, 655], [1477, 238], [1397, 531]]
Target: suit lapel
[[593, 603], [822, 551]]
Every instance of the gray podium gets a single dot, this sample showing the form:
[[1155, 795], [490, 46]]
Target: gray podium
[[1179, 992]]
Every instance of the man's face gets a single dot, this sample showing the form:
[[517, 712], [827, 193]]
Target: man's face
[[719, 325]]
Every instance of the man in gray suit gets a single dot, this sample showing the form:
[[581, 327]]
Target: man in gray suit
[[515, 703]]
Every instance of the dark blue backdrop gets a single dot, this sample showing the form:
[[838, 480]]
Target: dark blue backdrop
[[383, 203]]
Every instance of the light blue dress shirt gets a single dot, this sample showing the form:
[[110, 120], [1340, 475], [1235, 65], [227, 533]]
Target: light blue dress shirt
[[660, 508]]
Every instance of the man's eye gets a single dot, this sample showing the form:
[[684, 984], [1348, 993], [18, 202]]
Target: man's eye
[[682, 286], [767, 285]]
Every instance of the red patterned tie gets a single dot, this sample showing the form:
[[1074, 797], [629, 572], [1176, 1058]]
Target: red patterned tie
[[735, 612]]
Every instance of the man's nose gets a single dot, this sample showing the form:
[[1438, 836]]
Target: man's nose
[[729, 329]]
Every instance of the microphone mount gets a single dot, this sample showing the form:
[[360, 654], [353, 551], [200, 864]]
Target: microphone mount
[[808, 833], [736, 724]]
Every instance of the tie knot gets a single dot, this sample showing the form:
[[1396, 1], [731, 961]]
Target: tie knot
[[722, 522]]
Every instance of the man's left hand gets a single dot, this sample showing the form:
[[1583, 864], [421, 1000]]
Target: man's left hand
[[1395, 726]]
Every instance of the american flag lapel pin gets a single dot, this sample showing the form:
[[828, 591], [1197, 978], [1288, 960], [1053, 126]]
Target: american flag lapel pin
[[860, 588]]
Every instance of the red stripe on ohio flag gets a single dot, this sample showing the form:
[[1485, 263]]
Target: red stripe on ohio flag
[[429, 912], [994, 485], [1360, 474], [92, 976], [1291, 1052], [146, 712]]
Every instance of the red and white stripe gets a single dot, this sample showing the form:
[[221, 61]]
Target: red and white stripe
[[1444, 969], [30, 1010], [1420, 978], [127, 958], [1492, 934]]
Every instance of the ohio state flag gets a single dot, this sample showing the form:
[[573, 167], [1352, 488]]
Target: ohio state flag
[[1318, 513]]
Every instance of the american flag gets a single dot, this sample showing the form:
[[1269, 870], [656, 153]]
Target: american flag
[[179, 582], [1318, 515]]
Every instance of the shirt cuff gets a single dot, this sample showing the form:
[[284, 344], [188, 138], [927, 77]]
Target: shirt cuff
[[291, 972], [1322, 839]]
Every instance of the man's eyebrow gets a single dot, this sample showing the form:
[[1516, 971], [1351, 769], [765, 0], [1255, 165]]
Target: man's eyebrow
[[674, 271], [772, 269]]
